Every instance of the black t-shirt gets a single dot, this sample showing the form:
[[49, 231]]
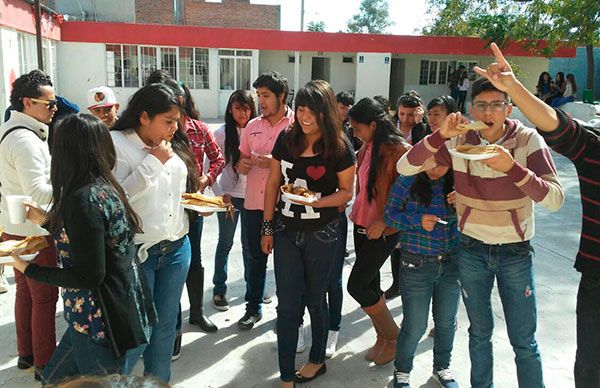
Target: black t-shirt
[[314, 173]]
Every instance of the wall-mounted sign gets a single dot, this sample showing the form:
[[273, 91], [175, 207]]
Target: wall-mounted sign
[[386, 60], [361, 59]]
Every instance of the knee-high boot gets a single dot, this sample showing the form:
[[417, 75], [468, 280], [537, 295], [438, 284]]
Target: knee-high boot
[[387, 332], [195, 288]]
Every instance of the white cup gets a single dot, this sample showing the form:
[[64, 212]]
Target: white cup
[[16, 211]]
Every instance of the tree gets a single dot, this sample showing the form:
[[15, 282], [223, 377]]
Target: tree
[[373, 18], [316, 26], [556, 22]]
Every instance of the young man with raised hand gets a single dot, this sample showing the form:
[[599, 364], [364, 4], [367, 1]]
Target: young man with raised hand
[[581, 144], [494, 204]]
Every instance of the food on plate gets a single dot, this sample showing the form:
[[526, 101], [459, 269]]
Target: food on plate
[[28, 245], [297, 190], [198, 199], [473, 126], [476, 149]]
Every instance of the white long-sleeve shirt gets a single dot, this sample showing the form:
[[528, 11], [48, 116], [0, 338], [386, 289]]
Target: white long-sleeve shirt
[[228, 182], [154, 190], [24, 169]]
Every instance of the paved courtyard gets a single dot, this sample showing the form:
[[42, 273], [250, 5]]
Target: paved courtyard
[[231, 358]]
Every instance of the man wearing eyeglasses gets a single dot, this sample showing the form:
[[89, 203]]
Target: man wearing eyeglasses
[[25, 170], [494, 205]]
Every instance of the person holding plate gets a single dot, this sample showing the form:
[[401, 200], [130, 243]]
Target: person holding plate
[[314, 154], [494, 204]]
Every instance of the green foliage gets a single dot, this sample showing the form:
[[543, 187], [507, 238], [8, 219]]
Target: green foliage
[[373, 18], [316, 26]]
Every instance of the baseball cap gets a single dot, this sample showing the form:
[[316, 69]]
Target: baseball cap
[[101, 96]]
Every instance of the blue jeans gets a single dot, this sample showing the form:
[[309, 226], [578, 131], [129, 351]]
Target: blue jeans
[[257, 268], [511, 265], [166, 269], [227, 228], [421, 279], [78, 355], [303, 261]]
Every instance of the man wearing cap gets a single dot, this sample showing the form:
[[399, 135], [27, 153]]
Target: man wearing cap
[[103, 104]]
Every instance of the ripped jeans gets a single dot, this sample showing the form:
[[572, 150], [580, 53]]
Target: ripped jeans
[[303, 261], [479, 264]]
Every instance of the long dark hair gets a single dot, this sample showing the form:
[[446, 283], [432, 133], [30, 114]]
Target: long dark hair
[[571, 79], [82, 153], [541, 82], [421, 190], [367, 111], [156, 99], [318, 96], [232, 139]]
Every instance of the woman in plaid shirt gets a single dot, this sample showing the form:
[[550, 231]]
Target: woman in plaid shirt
[[419, 208]]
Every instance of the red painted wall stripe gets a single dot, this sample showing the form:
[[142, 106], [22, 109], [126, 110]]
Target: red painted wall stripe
[[19, 15], [167, 35]]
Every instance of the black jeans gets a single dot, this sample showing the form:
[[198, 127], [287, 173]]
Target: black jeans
[[257, 268], [587, 359], [303, 261], [195, 236], [363, 283]]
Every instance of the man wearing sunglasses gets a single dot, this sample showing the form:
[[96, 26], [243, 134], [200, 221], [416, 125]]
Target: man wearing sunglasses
[[25, 170]]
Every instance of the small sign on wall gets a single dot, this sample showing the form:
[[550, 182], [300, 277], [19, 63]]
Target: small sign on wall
[[361, 59], [386, 60]]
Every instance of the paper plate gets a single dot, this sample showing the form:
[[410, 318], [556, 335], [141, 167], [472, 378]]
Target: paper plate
[[204, 209], [454, 152], [9, 259], [295, 197]]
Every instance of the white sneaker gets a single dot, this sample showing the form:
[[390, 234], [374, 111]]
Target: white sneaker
[[332, 339], [300, 346], [4, 286]]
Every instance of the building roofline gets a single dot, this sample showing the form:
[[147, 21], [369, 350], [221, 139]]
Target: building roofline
[[192, 36]]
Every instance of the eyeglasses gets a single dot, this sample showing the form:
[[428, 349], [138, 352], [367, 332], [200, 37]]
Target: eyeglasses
[[50, 104], [495, 106]]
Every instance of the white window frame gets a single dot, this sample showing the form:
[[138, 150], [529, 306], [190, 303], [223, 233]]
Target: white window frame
[[235, 58]]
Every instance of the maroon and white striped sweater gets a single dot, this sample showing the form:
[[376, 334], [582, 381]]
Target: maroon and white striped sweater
[[494, 207]]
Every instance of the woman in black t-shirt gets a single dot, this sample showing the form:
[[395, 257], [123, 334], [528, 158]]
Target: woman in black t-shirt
[[313, 153]]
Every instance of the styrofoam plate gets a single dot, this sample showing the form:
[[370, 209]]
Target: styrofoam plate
[[9, 259], [204, 209], [295, 197]]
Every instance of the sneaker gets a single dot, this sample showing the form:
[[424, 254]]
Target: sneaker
[[220, 302], [401, 379], [4, 286], [301, 345], [332, 339], [248, 320], [38, 372], [177, 347], [444, 378], [25, 362], [267, 299]]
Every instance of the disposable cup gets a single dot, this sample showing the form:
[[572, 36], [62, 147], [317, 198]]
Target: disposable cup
[[17, 213]]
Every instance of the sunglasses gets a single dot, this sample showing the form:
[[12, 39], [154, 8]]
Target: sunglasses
[[50, 104]]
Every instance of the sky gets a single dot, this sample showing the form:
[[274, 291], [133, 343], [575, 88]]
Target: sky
[[409, 16]]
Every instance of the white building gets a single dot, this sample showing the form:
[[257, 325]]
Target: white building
[[214, 62]]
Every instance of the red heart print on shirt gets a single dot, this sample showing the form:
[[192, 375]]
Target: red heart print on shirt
[[315, 172]]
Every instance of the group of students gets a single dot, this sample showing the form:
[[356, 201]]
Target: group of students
[[558, 91], [127, 247]]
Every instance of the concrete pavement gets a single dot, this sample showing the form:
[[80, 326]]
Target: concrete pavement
[[231, 358]]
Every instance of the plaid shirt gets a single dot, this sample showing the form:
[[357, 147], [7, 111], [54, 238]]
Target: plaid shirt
[[202, 140], [404, 213]]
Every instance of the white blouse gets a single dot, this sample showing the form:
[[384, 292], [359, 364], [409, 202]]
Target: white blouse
[[228, 182], [154, 190]]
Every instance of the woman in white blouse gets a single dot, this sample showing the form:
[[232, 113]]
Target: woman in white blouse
[[155, 167]]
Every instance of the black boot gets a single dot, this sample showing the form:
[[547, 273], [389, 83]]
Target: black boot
[[195, 288], [394, 289]]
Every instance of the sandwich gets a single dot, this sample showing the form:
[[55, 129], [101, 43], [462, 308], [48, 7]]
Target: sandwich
[[297, 190], [476, 149], [28, 245], [198, 199], [473, 126]]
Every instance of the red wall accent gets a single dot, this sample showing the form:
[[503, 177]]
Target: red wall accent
[[168, 35], [19, 15]]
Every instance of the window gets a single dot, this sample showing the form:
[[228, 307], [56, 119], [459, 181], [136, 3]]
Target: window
[[27, 53], [235, 69], [443, 73], [433, 67], [424, 73], [122, 66], [168, 60], [347, 59]]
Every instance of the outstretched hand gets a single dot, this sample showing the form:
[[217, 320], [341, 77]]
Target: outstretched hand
[[499, 73]]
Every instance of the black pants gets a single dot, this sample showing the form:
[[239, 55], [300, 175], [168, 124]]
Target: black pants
[[587, 359], [363, 284]]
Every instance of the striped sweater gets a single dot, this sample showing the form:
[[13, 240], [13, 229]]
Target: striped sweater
[[492, 206], [582, 145]]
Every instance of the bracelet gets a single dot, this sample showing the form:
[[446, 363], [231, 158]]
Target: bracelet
[[267, 228]]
